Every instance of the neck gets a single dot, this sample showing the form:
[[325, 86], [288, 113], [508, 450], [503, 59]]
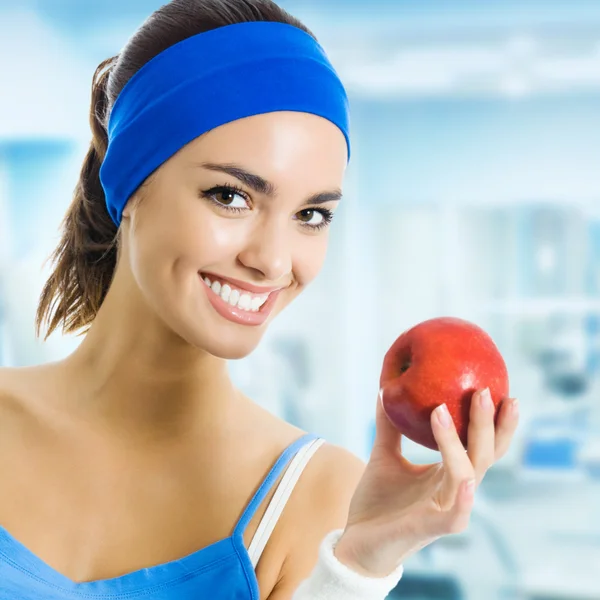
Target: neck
[[137, 377]]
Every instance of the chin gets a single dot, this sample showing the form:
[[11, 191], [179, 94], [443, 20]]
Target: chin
[[233, 351], [229, 345]]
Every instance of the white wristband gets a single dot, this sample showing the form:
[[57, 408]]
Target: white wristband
[[332, 580]]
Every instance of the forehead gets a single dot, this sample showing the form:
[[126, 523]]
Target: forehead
[[281, 146]]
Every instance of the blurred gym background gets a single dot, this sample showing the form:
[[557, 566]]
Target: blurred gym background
[[473, 191]]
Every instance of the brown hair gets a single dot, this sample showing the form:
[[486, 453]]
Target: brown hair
[[86, 256]]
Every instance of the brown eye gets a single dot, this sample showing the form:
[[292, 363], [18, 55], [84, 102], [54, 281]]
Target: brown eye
[[315, 218], [307, 214], [225, 197]]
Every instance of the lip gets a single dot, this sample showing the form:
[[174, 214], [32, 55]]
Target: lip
[[242, 285], [238, 315]]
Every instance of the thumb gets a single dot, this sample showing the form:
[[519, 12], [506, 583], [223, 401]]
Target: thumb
[[387, 435]]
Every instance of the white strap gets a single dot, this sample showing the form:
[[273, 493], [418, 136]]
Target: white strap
[[280, 498]]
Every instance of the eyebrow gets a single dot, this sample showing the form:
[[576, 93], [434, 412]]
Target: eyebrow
[[264, 187]]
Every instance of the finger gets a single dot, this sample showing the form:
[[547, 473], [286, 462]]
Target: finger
[[456, 518], [481, 433], [460, 514], [508, 420], [387, 435], [457, 466]]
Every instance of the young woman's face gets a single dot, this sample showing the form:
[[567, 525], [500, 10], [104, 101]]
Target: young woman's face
[[244, 208]]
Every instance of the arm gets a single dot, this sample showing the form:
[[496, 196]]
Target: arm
[[311, 570], [397, 508], [333, 580]]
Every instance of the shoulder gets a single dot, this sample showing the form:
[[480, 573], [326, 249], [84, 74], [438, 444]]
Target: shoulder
[[328, 491], [18, 387], [336, 472], [333, 471], [12, 410], [11, 396], [321, 506], [8, 395]]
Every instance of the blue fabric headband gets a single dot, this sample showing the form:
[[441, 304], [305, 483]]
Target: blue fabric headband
[[206, 81]]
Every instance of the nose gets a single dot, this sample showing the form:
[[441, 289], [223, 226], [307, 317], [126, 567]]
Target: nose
[[269, 251]]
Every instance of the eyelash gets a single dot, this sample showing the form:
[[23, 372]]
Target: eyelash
[[233, 189]]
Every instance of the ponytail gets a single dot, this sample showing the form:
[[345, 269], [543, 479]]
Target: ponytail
[[85, 258]]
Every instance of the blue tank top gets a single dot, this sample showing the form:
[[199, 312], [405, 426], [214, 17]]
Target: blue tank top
[[221, 571]]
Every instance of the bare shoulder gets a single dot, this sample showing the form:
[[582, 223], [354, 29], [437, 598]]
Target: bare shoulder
[[18, 386], [333, 471], [321, 506], [9, 385], [12, 409], [335, 475]]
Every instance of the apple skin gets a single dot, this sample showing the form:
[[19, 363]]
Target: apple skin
[[444, 359]]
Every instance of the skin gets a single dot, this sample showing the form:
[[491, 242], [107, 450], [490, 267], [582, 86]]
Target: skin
[[140, 436], [399, 508], [141, 428]]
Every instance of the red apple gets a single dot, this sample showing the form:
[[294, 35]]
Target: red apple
[[440, 360]]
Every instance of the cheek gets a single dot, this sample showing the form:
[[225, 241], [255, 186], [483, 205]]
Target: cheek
[[309, 258], [180, 244]]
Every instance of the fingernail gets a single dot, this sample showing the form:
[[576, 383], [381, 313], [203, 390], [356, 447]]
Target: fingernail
[[485, 399], [514, 407], [443, 416], [470, 486]]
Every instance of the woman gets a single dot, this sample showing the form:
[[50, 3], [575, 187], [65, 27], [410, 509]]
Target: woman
[[134, 467]]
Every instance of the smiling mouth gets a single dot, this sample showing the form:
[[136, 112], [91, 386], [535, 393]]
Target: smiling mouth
[[236, 297]]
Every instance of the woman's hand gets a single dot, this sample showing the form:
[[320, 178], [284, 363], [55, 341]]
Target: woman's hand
[[399, 507]]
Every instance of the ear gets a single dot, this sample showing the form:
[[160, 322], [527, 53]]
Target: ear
[[126, 214], [130, 205]]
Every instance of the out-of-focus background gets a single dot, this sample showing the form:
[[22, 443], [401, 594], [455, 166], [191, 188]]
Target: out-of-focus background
[[473, 191]]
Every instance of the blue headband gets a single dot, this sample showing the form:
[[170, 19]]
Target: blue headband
[[206, 81]]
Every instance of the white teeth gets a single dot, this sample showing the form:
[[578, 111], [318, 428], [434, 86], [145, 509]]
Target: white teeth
[[234, 297], [244, 301], [225, 291]]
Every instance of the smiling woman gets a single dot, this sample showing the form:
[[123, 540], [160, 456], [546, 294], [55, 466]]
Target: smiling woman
[[219, 151], [256, 223]]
